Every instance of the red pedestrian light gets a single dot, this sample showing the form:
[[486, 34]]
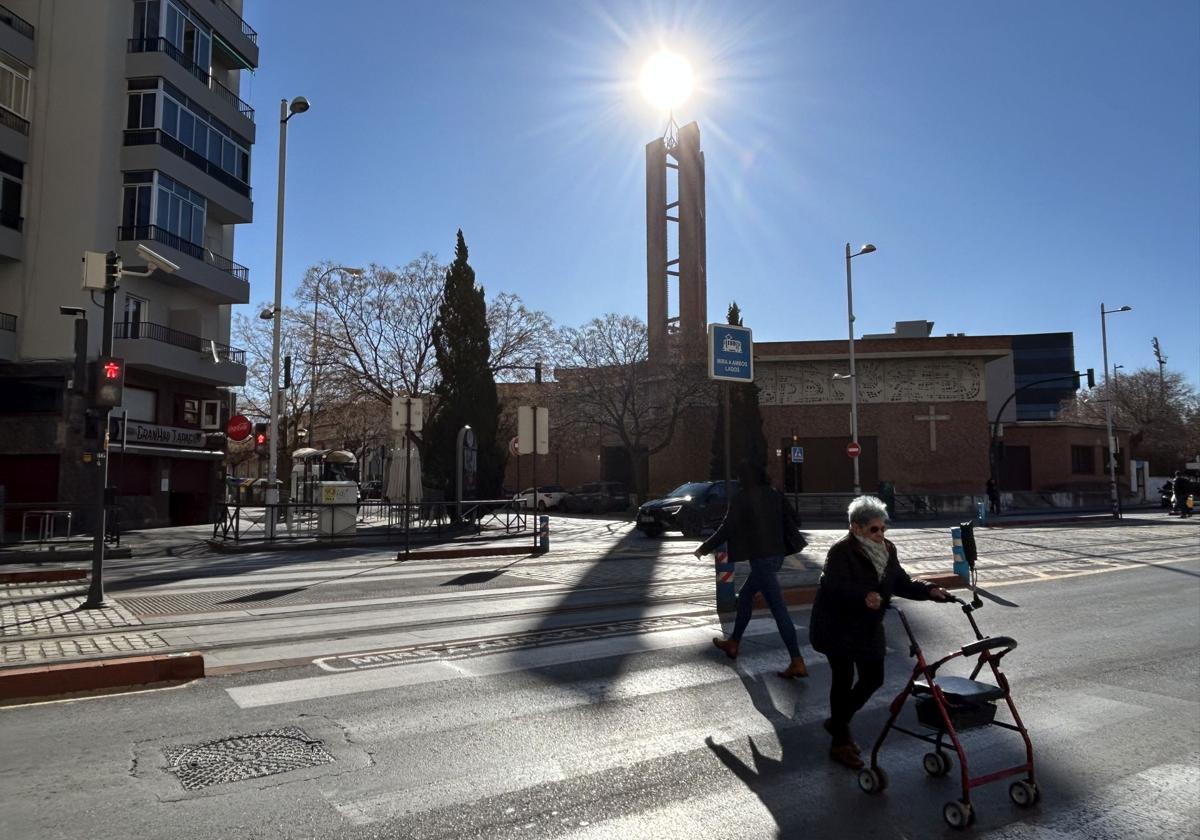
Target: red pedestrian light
[[112, 370]]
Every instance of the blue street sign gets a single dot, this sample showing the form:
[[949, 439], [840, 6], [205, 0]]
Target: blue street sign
[[730, 353], [797, 454]]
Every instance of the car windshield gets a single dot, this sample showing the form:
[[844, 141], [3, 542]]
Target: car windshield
[[692, 488]]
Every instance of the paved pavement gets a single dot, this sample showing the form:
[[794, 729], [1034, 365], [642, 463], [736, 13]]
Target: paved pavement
[[264, 609], [585, 719]]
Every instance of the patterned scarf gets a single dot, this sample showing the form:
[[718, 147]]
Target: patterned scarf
[[878, 552]]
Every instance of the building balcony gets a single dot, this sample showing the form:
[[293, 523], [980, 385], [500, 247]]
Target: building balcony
[[239, 37], [159, 57], [152, 148], [16, 36], [216, 278], [8, 337], [14, 135], [171, 352]]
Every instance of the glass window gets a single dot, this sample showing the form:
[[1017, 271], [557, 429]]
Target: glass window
[[141, 403], [149, 101], [190, 412], [1083, 460], [10, 202], [210, 414], [170, 118], [187, 126], [14, 85]]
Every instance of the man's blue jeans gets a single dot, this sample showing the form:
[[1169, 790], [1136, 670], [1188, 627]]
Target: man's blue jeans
[[764, 578]]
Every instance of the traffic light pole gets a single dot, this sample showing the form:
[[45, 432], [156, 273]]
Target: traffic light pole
[[95, 598]]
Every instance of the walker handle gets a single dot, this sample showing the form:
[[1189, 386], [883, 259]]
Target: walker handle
[[989, 643]]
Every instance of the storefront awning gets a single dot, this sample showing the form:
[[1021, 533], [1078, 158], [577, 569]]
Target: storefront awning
[[168, 452]]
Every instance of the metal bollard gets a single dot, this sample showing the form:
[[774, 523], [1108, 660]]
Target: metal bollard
[[981, 509], [965, 553], [544, 533], [726, 591]]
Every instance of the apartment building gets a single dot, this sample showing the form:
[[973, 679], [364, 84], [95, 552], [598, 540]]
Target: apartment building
[[121, 124]]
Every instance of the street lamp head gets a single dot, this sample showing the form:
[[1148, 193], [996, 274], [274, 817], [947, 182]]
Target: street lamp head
[[298, 105], [866, 249], [267, 314], [1125, 309], [353, 272]]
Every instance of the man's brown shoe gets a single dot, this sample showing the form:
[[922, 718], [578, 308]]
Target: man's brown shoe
[[796, 669], [829, 727], [729, 646], [845, 755]]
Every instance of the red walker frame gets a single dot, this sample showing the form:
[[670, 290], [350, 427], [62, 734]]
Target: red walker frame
[[960, 813]]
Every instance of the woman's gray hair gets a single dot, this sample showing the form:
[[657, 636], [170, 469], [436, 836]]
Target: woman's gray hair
[[864, 509]]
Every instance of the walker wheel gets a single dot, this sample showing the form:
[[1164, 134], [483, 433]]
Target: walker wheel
[[1023, 794], [958, 814], [872, 779], [936, 763]]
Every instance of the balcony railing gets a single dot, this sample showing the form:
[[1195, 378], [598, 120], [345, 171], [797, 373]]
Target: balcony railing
[[156, 136], [11, 220], [134, 233], [143, 45], [16, 22], [14, 122], [176, 338], [8, 323], [246, 30]]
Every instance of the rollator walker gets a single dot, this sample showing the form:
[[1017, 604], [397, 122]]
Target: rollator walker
[[947, 705]]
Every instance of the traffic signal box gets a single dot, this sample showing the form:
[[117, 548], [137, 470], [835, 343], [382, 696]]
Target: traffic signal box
[[110, 382], [260, 438]]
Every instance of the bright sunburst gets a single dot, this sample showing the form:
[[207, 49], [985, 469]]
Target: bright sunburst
[[666, 80]]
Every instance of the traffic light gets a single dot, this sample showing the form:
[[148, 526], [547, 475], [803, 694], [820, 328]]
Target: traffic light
[[110, 382], [1091, 377], [112, 268], [260, 437]]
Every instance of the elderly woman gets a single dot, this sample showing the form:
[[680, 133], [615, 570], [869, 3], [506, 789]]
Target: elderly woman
[[861, 576]]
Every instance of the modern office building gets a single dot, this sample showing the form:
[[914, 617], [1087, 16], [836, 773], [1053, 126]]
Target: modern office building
[[121, 125]]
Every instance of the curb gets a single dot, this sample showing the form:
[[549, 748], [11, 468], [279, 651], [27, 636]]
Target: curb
[[458, 553], [799, 596], [94, 674], [47, 576]]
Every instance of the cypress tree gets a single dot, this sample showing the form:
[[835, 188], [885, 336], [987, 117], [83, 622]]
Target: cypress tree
[[466, 393], [747, 440]]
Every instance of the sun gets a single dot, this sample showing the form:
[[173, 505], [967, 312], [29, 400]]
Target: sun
[[666, 80]]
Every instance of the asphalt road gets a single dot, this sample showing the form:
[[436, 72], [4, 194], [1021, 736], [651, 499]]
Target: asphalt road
[[632, 725]]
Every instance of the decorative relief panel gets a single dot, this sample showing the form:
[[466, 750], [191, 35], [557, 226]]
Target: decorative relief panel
[[879, 381]]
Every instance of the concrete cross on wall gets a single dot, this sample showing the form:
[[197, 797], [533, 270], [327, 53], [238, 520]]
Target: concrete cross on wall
[[932, 419]]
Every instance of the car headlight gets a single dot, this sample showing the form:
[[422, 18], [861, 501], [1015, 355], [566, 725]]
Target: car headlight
[[671, 511]]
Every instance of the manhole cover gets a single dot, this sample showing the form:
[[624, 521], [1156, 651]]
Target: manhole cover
[[244, 757]]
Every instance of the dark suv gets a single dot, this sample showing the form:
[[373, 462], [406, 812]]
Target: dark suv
[[690, 508], [598, 497]]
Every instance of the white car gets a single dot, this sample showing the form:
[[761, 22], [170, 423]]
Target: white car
[[549, 497]]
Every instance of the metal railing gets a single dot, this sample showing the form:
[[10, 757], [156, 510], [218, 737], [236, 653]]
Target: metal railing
[[16, 22], [8, 322], [167, 335], [246, 30], [16, 123], [236, 522], [144, 45], [156, 136], [158, 234], [41, 519]]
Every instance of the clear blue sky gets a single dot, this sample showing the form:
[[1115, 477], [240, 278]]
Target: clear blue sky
[[1015, 163]]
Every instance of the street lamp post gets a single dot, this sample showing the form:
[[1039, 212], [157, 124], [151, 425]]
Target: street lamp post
[[312, 397], [1108, 395], [286, 111], [865, 249]]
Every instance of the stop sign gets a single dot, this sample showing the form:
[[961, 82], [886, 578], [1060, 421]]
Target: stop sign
[[853, 449], [238, 427]]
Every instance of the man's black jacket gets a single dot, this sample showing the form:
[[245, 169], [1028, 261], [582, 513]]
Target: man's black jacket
[[841, 623]]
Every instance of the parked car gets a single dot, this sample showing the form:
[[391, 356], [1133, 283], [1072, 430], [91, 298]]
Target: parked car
[[597, 497], [549, 497], [372, 490], [691, 508]]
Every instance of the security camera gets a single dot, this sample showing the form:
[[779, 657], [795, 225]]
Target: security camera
[[157, 260]]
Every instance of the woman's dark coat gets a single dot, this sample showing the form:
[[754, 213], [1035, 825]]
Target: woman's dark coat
[[841, 623], [757, 525]]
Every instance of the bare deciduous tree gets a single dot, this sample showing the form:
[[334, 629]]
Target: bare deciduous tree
[[519, 337], [607, 384]]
